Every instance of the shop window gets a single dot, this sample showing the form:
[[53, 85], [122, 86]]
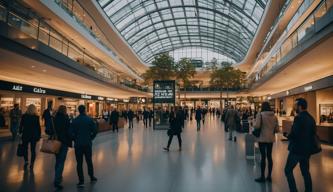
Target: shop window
[[326, 113]]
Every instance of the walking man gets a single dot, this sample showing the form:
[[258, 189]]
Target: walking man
[[302, 144], [114, 118], [15, 116], [130, 116], [83, 131], [198, 116]]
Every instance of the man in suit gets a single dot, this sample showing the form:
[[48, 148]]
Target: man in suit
[[130, 116], [83, 131], [114, 118], [302, 144]]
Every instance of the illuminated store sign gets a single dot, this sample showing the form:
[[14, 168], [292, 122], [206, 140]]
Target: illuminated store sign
[[100, 98], [308, 88], [17, 88], [39, 90], [85, 96]]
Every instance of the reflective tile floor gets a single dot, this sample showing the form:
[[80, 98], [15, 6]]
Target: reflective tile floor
[[133, 161]]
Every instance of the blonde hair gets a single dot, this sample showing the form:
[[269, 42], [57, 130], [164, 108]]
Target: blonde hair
[[32, 110]]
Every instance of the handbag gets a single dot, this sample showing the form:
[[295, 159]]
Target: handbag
[[257, 132], [316, 145], [51, 145]]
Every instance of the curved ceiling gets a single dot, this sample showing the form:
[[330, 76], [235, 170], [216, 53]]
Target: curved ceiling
[[151, 27]]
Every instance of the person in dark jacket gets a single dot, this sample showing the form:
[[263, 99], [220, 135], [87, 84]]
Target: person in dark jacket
[[301, 145], [198, 117], [31, 133], [62, 132], [83, 131], [47, 117], [145, 117], [151, 116], [2, 118], [130, 116], [114, 118], [175, 120], [15, 116]]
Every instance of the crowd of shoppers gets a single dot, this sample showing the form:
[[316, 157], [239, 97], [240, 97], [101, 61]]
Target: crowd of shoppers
[[81, 131]]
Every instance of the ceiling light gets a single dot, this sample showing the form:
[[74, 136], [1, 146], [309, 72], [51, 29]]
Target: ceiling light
[[32, 66], [44, 70]]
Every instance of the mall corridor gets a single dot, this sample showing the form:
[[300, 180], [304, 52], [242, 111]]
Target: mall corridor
[[133, 161]]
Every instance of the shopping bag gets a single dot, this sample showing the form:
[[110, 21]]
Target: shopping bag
[[51, 146]]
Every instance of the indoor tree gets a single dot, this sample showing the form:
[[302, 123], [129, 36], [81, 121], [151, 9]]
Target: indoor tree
[[184, 71], [163, 68], [227, 77]]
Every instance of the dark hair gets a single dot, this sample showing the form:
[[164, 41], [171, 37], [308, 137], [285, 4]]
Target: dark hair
[[62, 109], [302, 102], [265, 106], [82, 109]]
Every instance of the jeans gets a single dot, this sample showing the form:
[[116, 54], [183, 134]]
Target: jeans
[[179, 140], [266, 153], [231, 133], [13, 129], [60, 163], [130, 123], [304, 162], [114, 126], [85, 151], [145, 122], [150, 120], [198, 124], [32, 149]]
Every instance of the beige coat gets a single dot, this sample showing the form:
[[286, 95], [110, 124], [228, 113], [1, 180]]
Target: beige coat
[[269, 126]]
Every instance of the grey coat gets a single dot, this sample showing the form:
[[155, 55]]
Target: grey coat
[[230, 119]]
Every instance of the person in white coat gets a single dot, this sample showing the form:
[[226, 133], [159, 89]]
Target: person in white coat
[[267, 122]]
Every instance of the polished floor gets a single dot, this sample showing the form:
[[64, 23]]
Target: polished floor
[[133, 161]]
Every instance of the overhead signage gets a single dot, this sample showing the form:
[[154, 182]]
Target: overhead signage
[[164, 91], [308, 88], [9, 86]]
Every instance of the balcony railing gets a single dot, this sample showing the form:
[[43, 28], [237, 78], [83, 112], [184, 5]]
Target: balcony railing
[[303, 32], [41, 31], [82, 17]]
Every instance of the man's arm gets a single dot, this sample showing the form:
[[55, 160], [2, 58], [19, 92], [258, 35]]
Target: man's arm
[[295, 129]]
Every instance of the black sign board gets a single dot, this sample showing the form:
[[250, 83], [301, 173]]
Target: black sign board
[[9, 86], [164, 91]]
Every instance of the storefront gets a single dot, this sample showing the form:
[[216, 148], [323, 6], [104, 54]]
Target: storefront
[[319, 95], [24, 95]]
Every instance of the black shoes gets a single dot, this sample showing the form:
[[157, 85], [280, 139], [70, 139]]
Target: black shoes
[[235, 139], [269, 179], [93, 179], [80, 184], [166, 149], [260, 180], [263, 180], [58, 186]]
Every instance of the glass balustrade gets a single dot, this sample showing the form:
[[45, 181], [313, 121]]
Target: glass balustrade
[[42, 32], [304, 31]]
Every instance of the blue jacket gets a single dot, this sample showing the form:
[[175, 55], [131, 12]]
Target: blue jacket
[[83, 130]]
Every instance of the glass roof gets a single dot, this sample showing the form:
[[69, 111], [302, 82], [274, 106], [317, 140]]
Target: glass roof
[[152, 27]]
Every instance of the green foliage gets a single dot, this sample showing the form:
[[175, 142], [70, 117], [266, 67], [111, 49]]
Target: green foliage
[[227, 77], [184, 71], [163, 68]]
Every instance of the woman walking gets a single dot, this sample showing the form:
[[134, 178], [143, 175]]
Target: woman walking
[[175, 120], [62, 125], [31, 133], [268, 124]]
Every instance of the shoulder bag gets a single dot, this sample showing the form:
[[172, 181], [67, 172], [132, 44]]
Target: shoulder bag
[[51, 145], [257, 132]]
